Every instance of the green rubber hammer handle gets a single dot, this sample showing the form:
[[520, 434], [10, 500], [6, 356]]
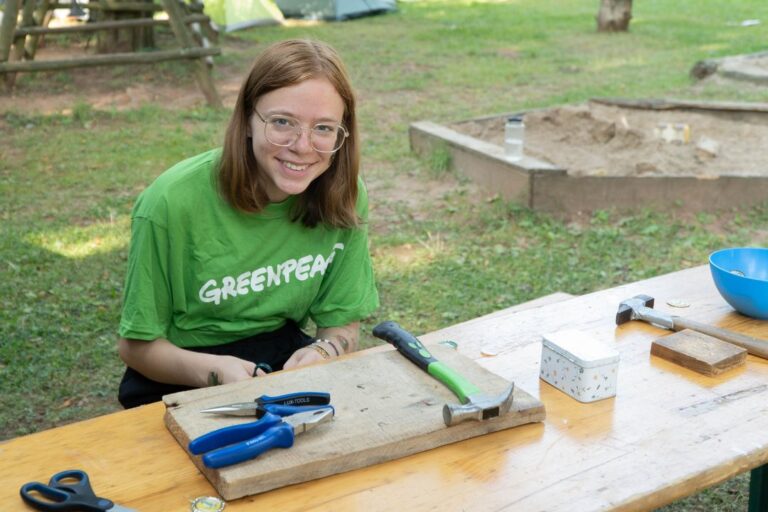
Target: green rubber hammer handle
[[407, 344]]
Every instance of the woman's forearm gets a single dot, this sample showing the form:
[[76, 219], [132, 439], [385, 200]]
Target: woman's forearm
[[163, 361], [345, 338]]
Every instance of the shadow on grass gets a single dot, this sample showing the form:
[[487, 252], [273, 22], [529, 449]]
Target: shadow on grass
[[58, 324]]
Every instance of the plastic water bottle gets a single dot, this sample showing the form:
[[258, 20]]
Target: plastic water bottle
[[514, 137]]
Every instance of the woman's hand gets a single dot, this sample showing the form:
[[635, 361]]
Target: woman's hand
[[229, 369], [308, 355], [331, 342]]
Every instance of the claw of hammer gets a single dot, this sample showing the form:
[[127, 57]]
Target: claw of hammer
[[479, 407], [640, 307]]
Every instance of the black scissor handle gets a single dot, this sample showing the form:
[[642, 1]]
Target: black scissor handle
[[81, 481], [67, 490], [57, 498]]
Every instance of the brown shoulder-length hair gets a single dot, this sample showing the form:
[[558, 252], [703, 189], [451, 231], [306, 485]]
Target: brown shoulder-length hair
[[331, 198]]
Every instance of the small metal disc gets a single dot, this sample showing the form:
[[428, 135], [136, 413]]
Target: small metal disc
[[207, 504], [489, 351], [678, 303], [449, 344]]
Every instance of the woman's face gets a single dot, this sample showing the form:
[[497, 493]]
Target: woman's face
[[290, 169]]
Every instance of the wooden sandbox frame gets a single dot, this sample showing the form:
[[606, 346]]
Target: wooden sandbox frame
[[542, 186]]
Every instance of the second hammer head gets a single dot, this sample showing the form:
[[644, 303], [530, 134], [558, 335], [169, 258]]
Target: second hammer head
[[627, 307]]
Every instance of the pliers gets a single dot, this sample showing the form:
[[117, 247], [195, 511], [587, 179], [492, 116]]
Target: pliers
[[238, 443], [280, 405]]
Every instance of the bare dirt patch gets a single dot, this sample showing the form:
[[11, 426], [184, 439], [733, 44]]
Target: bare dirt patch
[[593, 139], [120, 87]]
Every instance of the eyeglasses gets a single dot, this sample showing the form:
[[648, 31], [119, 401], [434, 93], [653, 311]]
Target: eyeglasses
[[283, 131]]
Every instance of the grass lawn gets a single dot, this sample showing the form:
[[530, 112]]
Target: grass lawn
[[444, 251]]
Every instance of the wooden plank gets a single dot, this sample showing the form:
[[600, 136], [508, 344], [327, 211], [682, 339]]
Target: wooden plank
[[699, 352], [669, 104], [205, 30], [202, 68], [386, 408], [19, 41], [108, 60], [560, 195], [42, 17], [122, 6], [545, 300], [466, 331], [7, 27], [112, 6], [106, 25]]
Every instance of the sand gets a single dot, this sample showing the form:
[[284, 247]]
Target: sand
[[593, 139]]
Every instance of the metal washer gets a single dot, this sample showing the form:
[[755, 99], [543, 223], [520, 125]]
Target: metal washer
[[207, 504]]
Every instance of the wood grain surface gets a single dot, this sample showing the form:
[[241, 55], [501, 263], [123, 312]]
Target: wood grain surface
[[667, 434], [386, 408], [699, 352]]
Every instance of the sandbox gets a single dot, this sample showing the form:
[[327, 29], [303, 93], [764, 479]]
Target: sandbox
[[616, 154]]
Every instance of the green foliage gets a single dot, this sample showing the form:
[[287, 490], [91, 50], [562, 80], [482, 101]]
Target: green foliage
[[505, 255], [439, 160], [67, 190], [82, 112]]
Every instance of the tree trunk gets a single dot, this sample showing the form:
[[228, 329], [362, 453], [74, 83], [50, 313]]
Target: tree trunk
[[614, 15]]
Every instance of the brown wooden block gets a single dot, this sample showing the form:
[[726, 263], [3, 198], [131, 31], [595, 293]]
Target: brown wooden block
[[699, 352]]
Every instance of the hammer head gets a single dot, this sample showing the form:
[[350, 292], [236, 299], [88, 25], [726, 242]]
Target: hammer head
[[479, 407], [628, 308]]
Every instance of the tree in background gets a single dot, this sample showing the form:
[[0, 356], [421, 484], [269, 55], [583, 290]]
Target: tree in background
[[614, 15]]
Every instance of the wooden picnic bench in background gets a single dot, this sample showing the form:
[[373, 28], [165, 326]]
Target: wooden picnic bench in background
[[24, 22]]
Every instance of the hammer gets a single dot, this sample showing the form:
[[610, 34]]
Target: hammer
[[640, 307], [475, 404]]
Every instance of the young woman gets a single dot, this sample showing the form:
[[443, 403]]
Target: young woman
[[233, 251]]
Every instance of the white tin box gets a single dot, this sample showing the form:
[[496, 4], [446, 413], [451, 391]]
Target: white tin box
[[579, 366]]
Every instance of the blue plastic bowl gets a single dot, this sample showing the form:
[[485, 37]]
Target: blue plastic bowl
[[741, 277]]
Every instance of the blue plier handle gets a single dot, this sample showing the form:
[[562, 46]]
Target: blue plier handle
[[233, 434], [290, 410], [301, 398], [238, 443], [277, 436]]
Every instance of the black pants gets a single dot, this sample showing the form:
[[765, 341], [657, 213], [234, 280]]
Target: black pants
[[273, 348]]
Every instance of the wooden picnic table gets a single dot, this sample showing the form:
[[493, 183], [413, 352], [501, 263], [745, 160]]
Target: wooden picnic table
[[669, 432]]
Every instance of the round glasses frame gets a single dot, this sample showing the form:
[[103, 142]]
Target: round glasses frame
[[297, 130]]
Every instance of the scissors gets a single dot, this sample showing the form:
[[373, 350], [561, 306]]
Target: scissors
[[245, 441], [67, 490]]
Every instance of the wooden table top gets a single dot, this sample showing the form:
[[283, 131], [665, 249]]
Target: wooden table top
[[669, 432]]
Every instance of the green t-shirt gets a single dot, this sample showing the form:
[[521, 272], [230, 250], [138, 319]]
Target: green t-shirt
[[201, 273]]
